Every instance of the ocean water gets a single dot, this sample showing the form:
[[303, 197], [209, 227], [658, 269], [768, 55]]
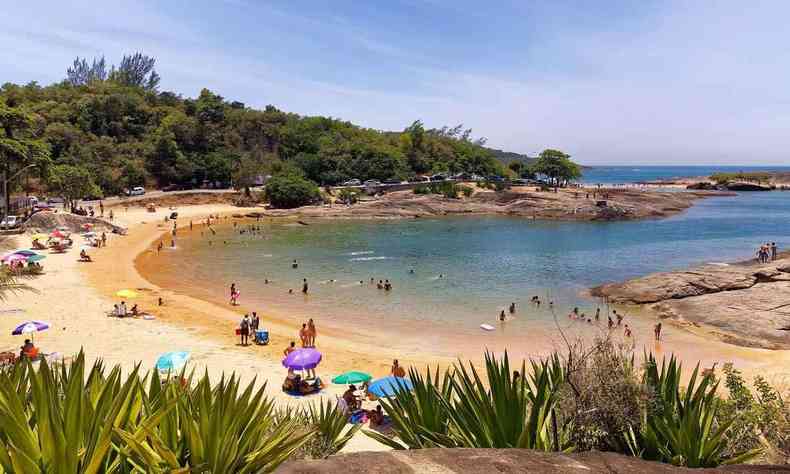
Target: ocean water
[[455, 273], [633, 174]]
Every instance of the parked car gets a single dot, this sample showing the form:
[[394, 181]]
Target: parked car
[[438, 177], [43, 207], [372, 182], [55, 200], [391, 181], [10, 222], [496, 179], [137, 191], [353, 182], [419, 179], [520, 182]]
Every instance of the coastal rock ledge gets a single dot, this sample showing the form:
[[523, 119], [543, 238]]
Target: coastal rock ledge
[[745, 303], [488, 461]]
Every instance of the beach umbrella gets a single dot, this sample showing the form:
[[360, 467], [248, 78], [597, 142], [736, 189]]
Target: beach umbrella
[[351, 377], [89, 234], [172, 361], [389, 386], [25, 252], [30, 327], [39, 236], [36, 258], [302, 359], [126, 294], [57, 233]]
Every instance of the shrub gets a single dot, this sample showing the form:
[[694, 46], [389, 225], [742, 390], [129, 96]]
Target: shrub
[[421, 189], [289, 191], [348, 196], [466, 191], [601, 397]]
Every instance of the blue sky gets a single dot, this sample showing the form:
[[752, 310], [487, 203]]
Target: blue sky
[[673, 82]]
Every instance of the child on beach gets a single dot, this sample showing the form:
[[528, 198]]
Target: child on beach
[[234, 295]]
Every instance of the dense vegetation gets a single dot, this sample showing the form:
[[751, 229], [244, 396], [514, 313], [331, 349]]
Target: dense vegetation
[[114, 124], [592, 398], [78, 419]]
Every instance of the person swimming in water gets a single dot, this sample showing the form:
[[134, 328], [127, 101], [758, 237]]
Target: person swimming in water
[[295, 264], [502, 316], [512, 308], [304, 286]]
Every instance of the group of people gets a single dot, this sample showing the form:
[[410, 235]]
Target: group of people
[[307, 334], [767, 252], [121, 311], [248, 326]]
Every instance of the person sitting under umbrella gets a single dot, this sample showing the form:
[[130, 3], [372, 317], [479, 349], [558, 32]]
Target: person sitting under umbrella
[[352, 402], [28, 350]]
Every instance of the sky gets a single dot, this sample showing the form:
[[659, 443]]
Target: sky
[[609, 82]]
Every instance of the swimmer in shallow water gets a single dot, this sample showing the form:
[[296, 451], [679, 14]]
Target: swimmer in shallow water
[[502, 316], [512, 308]]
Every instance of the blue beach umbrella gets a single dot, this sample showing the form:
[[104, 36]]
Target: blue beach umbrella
[[172, 361], [389, 386], [30, 326]]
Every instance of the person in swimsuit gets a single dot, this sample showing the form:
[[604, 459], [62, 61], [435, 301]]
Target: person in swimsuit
[[304, 286], [502, 316], [303, 335], [512, 308], [295, 264], [397, 370], [289, 349], [657, 331], [311, 333]]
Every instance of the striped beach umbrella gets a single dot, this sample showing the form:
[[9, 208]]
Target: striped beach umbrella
[[29, 327]]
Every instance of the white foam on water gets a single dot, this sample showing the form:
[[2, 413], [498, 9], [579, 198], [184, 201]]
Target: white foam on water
[[367, 259], [361, 252]]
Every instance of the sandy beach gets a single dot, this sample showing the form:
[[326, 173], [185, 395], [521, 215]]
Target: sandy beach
[[75, 298]]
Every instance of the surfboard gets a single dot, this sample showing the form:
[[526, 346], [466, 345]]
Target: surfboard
[[486, 327]]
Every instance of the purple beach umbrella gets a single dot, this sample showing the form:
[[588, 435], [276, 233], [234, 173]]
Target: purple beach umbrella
[[302, 359], [30, 326]]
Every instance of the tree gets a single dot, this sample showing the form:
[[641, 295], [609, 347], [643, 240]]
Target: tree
[[290, 190], [72, 183], [557, 166], [136, 70], [20, 148], [80, 73]]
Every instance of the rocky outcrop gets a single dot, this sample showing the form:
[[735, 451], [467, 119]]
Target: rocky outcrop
[[702, 186], [744, 186], [567, 204], [46, 221], [489, 461], [745, 303]]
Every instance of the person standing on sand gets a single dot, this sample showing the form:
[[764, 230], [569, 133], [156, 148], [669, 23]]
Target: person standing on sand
[[111, 215], [234, 295], [303, 335], [311, 333], [597, 314], [103, 239], [244, 328], [101, 209], [773, 251], [657, 331], [255, 322], [611, 323], [304, 286]]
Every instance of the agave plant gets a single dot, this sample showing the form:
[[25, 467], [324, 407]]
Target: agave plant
[[61, 421], [465, 411], [419, 417], [332, 429], [213, 429], [681, 427]]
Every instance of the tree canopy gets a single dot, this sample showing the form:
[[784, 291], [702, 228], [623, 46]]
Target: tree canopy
[[113, 122], [557, 166]]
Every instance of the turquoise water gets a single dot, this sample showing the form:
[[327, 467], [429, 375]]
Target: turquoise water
[[485, 263], [632, 174]]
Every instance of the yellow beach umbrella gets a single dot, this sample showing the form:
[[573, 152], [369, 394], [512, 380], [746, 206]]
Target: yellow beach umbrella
[[126, 294]]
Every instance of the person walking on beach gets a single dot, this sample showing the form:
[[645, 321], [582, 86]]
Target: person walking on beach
[[773, 251], [244, 327], [597, 314], [311, 333], [101, 209], [657, 331], [103, 239], [234, 295], [304, 285]]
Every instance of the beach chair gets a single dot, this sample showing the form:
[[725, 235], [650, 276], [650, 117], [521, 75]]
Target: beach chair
[[261, 337]]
